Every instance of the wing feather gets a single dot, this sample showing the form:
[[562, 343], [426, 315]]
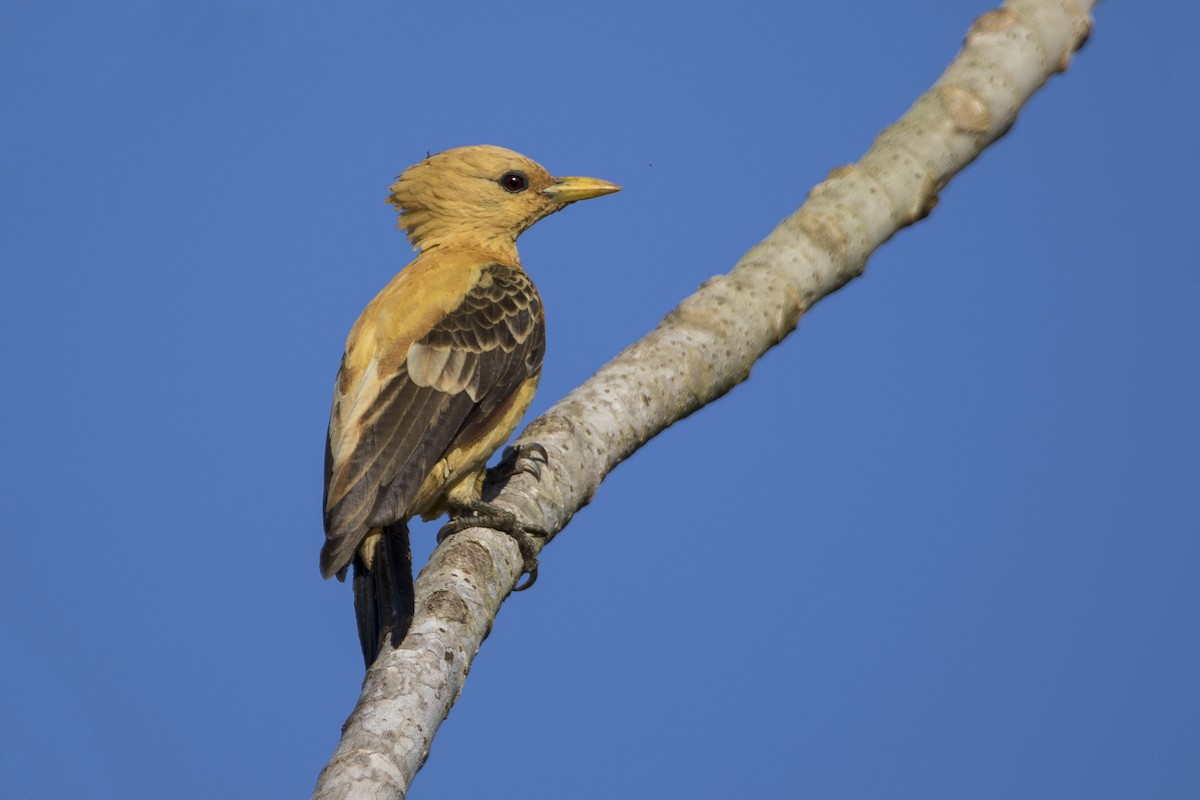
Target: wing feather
[[388, 431]]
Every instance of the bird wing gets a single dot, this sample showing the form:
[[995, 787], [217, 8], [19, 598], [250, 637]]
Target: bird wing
[[406, 410]]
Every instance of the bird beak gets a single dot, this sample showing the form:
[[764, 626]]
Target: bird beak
[[568, 190]]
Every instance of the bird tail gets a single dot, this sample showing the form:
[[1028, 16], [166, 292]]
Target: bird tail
[[383, 590]]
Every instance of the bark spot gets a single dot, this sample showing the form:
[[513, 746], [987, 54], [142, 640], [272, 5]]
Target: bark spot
[[994, 21], [447, 606], [470, 557], [966, 109]]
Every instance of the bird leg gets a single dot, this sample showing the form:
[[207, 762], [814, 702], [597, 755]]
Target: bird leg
[[482, 514]]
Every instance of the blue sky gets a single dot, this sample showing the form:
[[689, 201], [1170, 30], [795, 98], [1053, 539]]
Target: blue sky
[[943, 543]]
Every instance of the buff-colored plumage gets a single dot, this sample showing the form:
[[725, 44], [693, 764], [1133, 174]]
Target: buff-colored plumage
[[438, 369]]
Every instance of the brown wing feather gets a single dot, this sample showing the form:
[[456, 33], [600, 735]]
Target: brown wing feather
[[449, 386]]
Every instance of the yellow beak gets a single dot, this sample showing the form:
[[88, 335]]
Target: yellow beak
[[568, 190]]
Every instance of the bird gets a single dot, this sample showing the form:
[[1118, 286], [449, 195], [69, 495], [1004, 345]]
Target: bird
[[437, 371]]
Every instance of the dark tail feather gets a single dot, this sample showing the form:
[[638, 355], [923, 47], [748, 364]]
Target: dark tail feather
[[383, 593]]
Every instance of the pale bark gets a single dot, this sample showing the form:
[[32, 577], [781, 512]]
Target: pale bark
[[701, 350]]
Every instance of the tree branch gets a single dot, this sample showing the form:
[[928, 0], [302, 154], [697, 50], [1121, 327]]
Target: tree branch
[[700, 351]]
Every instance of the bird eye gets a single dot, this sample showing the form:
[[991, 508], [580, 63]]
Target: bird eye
[[514, 182]]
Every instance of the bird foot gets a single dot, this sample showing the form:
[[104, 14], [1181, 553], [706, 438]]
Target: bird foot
[[482, 514]]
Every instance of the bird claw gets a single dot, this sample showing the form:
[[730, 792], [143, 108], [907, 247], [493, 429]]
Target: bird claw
[[521, 459], [485, 515], [530, 568]]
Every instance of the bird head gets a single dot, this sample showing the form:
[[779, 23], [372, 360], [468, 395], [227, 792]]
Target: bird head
[[483, 195]]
